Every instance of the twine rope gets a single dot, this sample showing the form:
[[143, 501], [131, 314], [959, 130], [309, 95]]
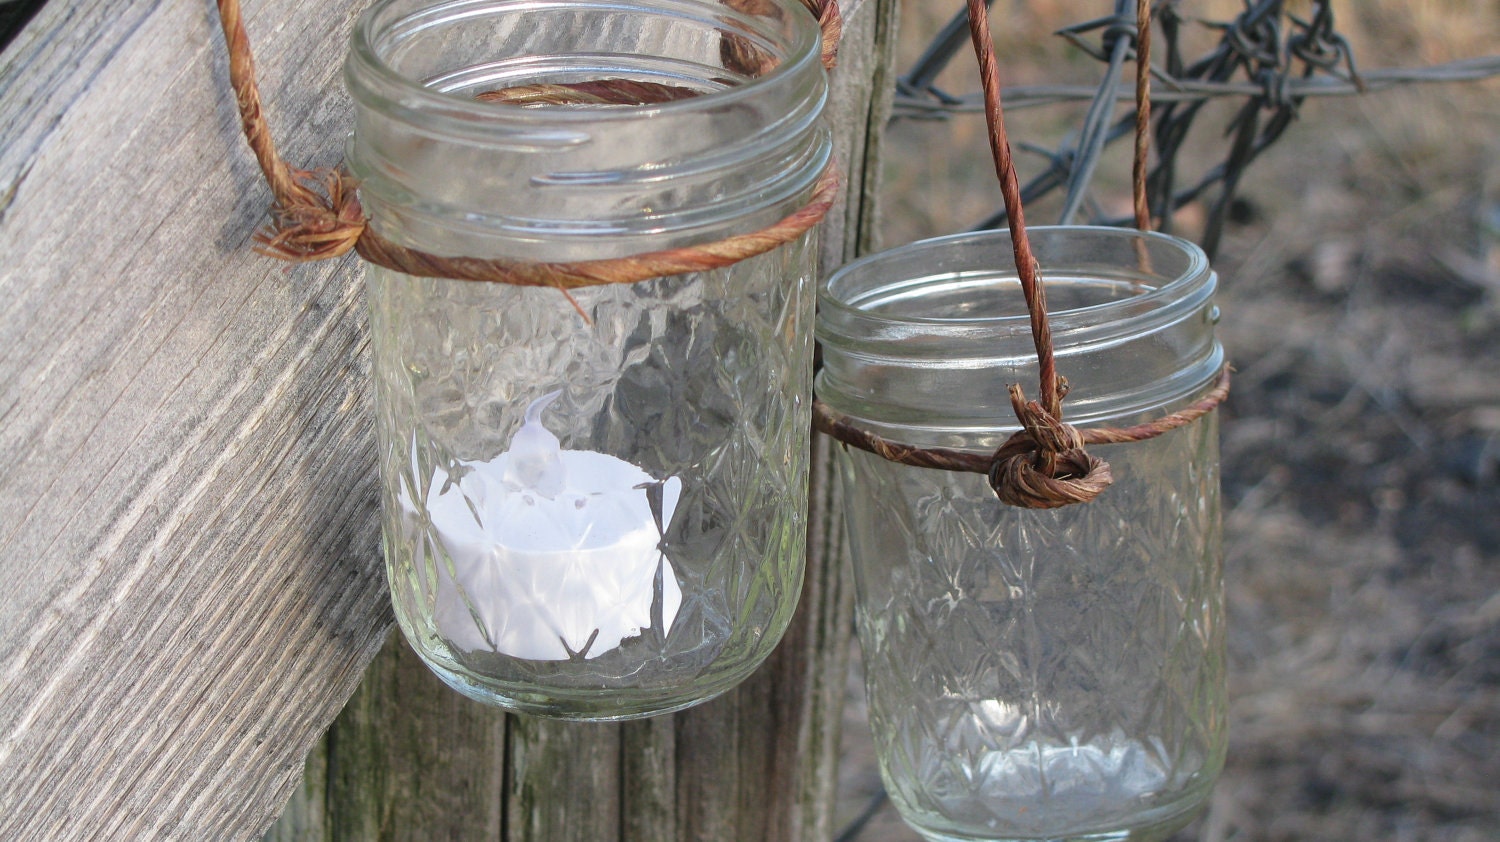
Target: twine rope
[[1043, 465], [1139, 168], [840, 427], [316, 214]]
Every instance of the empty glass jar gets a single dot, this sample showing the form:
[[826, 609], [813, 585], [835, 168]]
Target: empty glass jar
[[1035, 674], [595, 517]]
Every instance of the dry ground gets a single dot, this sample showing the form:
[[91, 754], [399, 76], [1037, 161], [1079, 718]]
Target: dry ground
[[1361, 302]]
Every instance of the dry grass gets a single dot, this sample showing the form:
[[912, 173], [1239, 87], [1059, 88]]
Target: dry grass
[[1361, 304]]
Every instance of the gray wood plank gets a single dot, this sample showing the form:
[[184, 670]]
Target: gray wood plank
[[390, 777], [563, 780], [648, 780], [187, 524], [305, 818]]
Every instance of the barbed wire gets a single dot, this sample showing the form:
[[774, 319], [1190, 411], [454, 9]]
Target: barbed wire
[[1272, 60], [1018, 97]]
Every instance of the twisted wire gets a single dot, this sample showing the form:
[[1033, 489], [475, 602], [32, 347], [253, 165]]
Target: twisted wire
[[1272, 60]]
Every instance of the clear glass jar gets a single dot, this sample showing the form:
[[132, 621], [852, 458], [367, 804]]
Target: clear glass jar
[[596, 518], [1035, 674]]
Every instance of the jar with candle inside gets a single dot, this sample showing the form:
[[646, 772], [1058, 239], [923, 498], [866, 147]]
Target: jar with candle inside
[[593, 501]]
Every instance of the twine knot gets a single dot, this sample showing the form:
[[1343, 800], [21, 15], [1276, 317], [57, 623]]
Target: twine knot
[[317, 217], [1044, 464], [831, 21], [316, 214]]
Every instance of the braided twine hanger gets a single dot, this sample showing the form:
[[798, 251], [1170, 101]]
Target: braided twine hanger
[[1044, 465]]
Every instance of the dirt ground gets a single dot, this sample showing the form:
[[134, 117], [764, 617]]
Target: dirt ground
[[1361, 444]]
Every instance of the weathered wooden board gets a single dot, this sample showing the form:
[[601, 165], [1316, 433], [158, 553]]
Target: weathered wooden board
[[187, 533], [187, 526]]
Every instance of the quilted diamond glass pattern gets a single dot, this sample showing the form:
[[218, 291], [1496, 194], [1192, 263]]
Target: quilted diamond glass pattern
[[1044, 674], [641, 549], [1035, 674], [703, 377]]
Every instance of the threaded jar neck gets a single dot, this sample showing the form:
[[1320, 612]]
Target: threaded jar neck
[[920, 343], [444, 171]]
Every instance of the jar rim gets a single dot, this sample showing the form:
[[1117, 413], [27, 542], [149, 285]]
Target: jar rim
[[831, 304], [1137, 339], [366, 59]]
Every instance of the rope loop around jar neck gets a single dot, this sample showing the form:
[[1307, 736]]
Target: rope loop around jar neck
[[316, 214], [1044, 465], [1001, 467]]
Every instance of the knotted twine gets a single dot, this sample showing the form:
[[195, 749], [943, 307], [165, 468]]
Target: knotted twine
[[1043, 465], [316, 214]]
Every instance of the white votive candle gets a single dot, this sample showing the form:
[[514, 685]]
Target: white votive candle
[[556, 554]]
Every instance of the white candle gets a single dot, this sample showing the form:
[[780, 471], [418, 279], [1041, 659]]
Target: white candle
[[556, 553]]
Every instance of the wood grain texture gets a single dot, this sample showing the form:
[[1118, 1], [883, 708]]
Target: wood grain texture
[[187, 530], [563, 781], [373, 793], [305, 818], [648, 779], [758, 764]]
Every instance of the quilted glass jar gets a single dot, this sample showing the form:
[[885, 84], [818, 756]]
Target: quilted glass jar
[[593, 508], [1035, 674]]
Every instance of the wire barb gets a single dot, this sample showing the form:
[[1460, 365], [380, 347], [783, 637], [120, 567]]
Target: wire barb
[[1273, 60]]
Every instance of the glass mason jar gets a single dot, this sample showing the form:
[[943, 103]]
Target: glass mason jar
[[600, 517], [1035, 674]]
